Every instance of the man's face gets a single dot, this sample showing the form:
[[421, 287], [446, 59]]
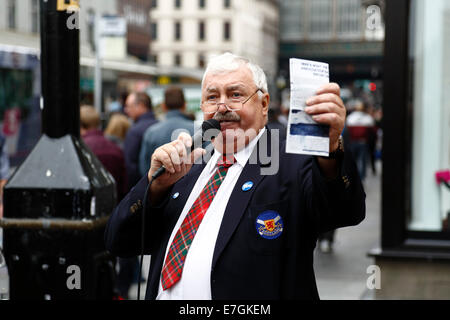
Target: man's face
[[238, 127], [133, 109]]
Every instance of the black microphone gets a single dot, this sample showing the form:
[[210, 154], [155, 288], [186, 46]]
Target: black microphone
[[197, 140]]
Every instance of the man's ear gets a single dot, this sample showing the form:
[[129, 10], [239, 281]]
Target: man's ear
[[164, 107], [265, 103]]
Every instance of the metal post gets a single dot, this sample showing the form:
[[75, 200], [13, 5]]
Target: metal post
[[60, 70], [58, 200], [98, 66]]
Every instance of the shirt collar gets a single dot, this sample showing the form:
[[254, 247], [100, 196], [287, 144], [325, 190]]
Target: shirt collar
[[242, 155]]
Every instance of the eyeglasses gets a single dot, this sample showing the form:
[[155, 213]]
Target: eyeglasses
[[234, 103]]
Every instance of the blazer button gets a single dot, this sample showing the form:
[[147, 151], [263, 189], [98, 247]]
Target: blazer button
[[346, 181]]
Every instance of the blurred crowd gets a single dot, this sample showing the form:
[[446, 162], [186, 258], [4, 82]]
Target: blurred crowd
[[362, 136], [132, 132]]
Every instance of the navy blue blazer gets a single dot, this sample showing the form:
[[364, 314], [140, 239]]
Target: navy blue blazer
[[264, 249]]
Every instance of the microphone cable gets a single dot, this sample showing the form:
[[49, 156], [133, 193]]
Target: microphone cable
[[144, 211]]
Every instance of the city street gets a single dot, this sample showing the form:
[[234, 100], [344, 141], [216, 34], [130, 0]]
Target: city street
[[341, 274]]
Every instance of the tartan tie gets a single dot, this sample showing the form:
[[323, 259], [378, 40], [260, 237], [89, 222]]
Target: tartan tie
[[173, 266]]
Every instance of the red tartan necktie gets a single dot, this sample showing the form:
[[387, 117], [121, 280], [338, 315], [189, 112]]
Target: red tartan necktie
[[173, 266]]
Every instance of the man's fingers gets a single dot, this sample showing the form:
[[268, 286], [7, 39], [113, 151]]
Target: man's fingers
[[181, 148], [329, 88], [326, 107], [174, 156], [325, 98], [162, 158], [331, 119], [185, 138]]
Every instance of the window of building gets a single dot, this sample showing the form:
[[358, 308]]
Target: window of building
[[153, 58], [293, 24], [177, 60], [154, 4], [429, 49], [201, 4], [227, 31], [201, 61], [154, 30], [91, 27], [201, 30], [177, 4], [227, 4], [177, 34], [11, 14], [34, 16], [349, 18], [321, 19]]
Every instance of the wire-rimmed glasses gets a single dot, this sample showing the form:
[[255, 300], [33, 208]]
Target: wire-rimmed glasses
[[231, 104]]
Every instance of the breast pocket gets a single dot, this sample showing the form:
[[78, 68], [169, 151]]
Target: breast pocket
[[267, 227]]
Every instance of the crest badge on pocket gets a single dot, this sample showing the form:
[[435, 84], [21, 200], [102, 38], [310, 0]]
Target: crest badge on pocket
[[269, 225]]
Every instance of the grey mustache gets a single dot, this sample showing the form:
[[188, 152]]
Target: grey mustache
[[229, 116]]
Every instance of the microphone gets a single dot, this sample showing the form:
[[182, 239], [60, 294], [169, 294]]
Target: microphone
[[197, 140]]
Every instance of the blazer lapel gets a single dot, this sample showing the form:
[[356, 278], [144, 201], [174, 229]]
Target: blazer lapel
[[239, 198]]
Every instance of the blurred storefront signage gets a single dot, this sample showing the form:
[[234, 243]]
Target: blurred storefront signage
[[136, 13], [334, 49], [113, 42]]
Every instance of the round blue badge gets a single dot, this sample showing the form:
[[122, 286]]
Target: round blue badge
[[247, 186], [175, 195], [269, 225]]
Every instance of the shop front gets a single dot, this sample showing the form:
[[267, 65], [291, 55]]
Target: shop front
[[414, 254]]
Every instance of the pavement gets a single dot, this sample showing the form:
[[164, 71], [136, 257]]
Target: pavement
[[342, 273]]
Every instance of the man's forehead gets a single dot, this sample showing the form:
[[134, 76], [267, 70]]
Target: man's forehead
[[231, 86], [240, 77]]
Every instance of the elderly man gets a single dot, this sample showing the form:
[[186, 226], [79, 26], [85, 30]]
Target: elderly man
[[224, 230]]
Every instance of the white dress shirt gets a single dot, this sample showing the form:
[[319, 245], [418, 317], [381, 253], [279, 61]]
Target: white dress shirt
[[195, 280]]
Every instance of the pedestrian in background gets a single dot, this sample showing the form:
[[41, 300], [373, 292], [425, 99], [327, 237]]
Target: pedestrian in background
[[138, 107], [360, 125], [176, 121], [275, 124], [109, 154], [117, 129]]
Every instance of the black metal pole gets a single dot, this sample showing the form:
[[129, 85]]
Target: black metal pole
[[60, 66], [57, 202]]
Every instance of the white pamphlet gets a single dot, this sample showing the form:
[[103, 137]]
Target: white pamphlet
[[304, 135]]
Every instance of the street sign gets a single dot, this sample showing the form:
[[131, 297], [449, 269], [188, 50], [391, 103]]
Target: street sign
[[113, 26], [112, 34]]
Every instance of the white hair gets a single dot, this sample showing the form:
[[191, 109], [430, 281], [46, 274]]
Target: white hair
[[229, 62]]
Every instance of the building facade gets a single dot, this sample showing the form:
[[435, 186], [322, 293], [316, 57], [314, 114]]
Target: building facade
[[186, 33], [347, 34]]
